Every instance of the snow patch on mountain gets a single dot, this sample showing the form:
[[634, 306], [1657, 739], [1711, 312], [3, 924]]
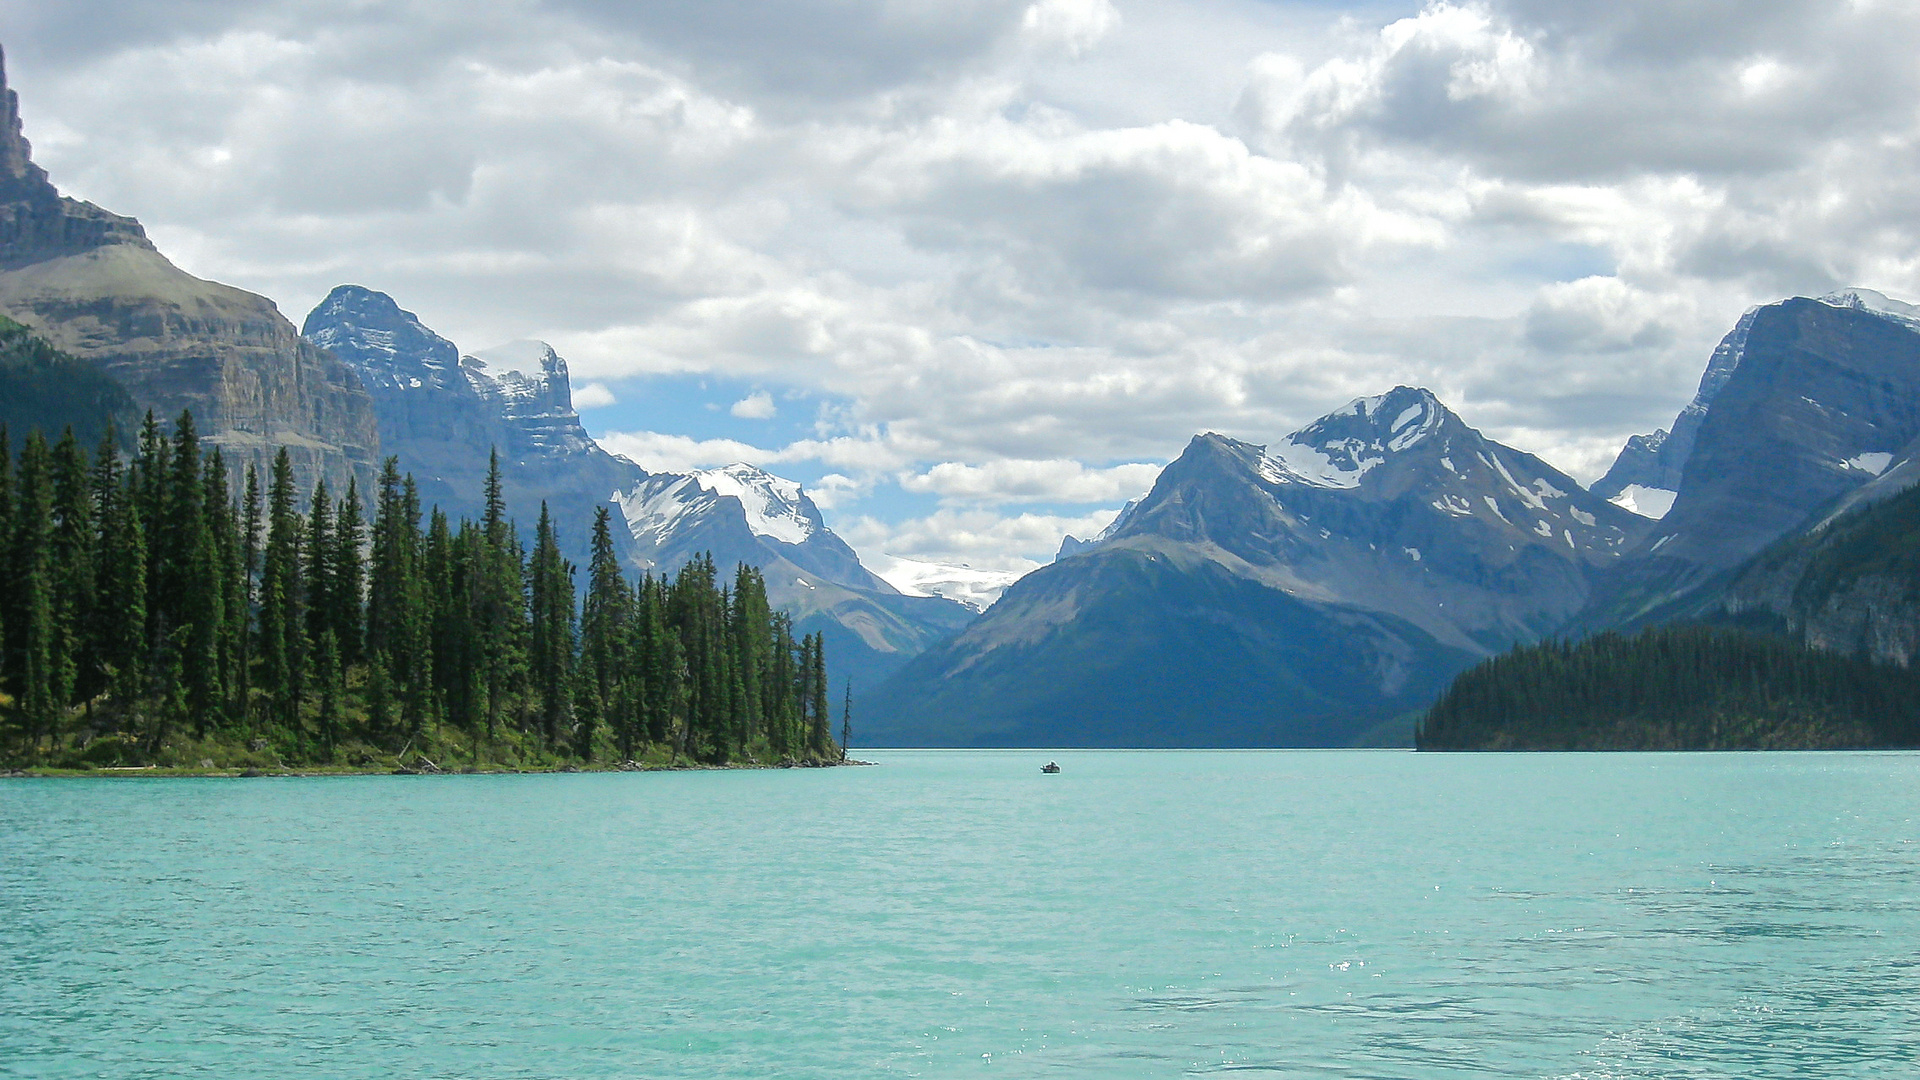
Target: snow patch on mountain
[[1648, 502], [1299, 463], [772, 502], [975, 587], [654, 511], [1339, 449], [1906, 314], [1875, 463]]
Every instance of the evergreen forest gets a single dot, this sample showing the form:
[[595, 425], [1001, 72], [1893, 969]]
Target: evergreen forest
[[1675, 688], [42, 387], [151, 616]]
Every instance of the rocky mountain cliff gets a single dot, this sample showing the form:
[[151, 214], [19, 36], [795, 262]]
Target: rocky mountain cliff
[[1816, 401], [1285, 595], [443, 414], [93, 285]]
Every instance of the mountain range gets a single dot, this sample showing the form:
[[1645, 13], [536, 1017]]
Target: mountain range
[[1296, 594], [1316, 590], [444, 414], [112, 320], [1321, 590]]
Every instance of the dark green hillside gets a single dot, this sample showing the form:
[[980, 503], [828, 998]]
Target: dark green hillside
[[1675, 688], [43, 389], [1880, 540]]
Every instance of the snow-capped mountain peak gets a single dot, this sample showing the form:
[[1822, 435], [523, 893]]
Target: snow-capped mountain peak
[[772, 503], [1338, 449], [775, 508], [388, 346], [1878, 303]]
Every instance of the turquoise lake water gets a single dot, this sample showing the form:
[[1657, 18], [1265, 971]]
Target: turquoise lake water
[[957, 914]]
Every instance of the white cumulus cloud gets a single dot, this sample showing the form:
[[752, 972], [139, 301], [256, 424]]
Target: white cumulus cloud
[[1019, 241], [755, 406]]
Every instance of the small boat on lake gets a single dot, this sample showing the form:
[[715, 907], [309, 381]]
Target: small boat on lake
[[1050, 767]]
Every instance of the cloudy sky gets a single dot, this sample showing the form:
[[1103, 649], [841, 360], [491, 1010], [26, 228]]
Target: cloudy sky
[[974, 270]]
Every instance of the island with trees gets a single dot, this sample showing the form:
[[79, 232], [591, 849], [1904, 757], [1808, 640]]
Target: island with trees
[[152, 617]]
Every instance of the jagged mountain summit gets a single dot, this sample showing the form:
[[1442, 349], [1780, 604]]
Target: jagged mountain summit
[[1073, 545], [1293, 594], [1815, 407], [1646, 475], [742, 513], [443, 414], [36, 221], [93, 285], [528, 384]]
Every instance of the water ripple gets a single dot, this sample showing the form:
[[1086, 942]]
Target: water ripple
[[1352, 915]]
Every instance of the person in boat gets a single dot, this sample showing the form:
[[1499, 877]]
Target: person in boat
[[1050, 767]]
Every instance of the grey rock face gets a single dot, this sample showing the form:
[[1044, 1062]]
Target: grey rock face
[[1850, 584], [442, 415], [1340, 575], [1657, 461], [1875, 616], [91, 283], [1823, 402]]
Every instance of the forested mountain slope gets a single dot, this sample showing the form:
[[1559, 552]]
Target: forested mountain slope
[[45, 390]]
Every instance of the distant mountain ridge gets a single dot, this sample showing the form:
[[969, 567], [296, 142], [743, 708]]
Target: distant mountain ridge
[[442, 412], [1294, 594]]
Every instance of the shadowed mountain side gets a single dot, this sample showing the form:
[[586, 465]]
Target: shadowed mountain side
[[1823, 400], [1295, 595], [1132, 646], [1850, 585], [45, 390]]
